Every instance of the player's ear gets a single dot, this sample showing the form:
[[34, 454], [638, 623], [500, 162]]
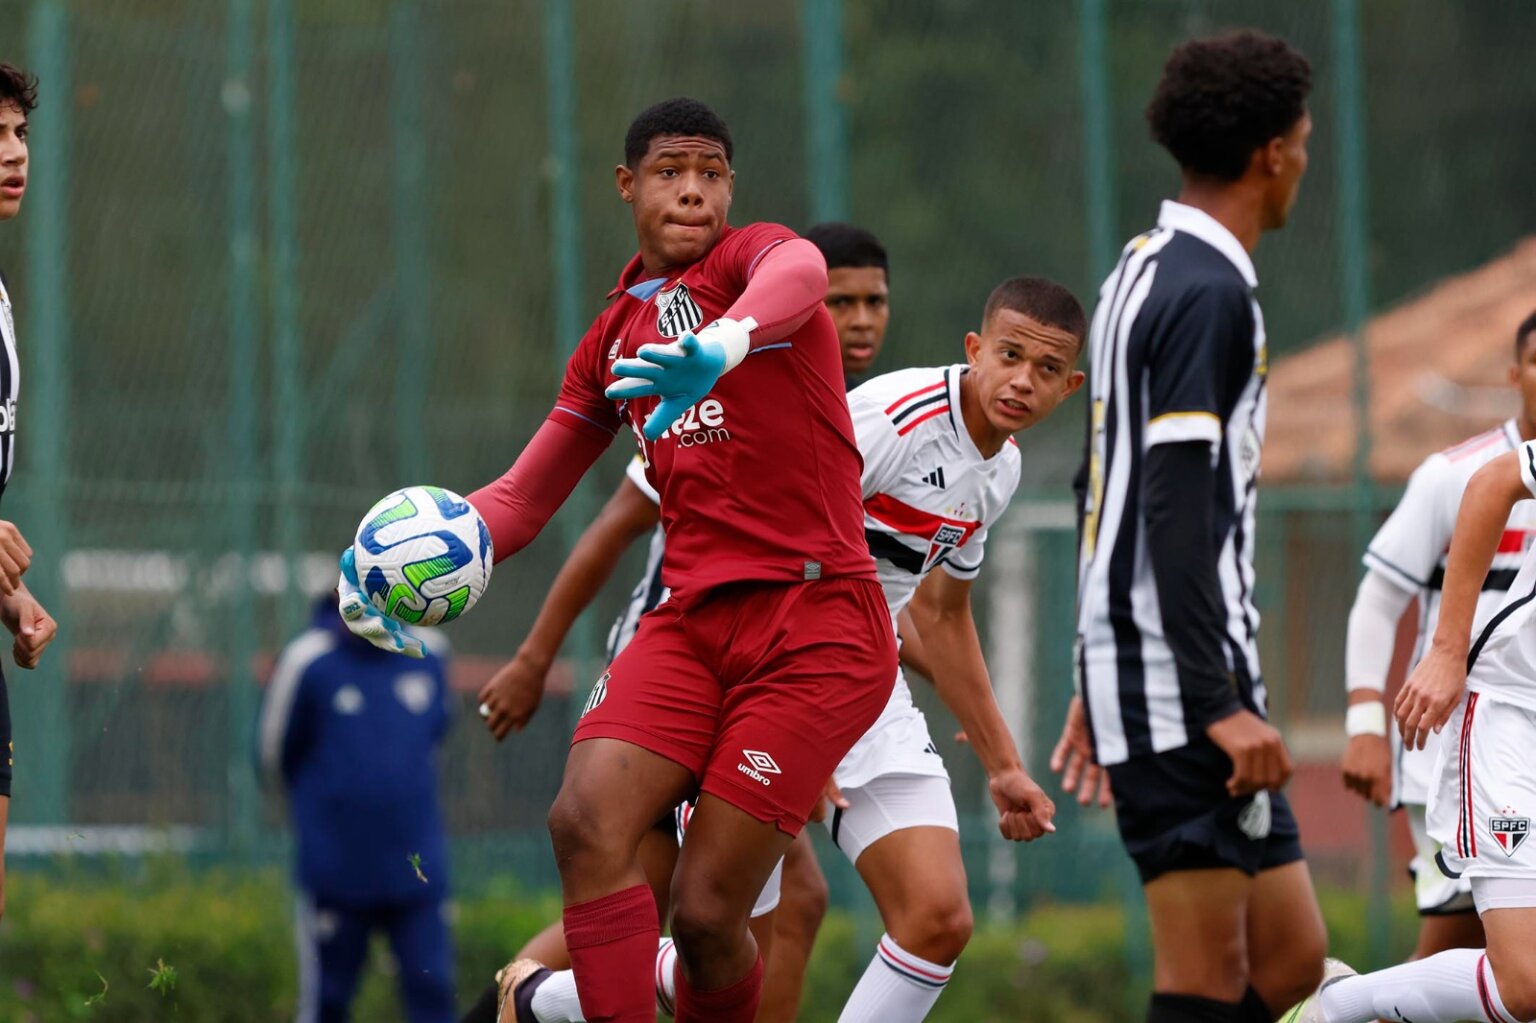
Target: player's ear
[[624, 178], [1514, 373], [972, 347], [1074, 381], [1274, 156]]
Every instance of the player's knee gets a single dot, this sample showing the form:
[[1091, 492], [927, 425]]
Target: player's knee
[[937, 931], [1300, 973], [705, 925], [576, 831], [1516, 979]]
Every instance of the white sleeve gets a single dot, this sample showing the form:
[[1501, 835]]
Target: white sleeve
[[1528, 465], [635, 471], [1379, 604], [965, 562], [880, 446], [1411, 542]]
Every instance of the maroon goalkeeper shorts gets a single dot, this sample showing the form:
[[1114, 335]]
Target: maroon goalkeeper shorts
[[759, 689]]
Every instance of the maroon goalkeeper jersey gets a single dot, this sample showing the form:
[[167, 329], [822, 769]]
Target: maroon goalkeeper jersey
[[760, 480]]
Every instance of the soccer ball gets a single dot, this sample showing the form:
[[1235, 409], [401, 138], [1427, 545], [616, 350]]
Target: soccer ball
[[423, 556]]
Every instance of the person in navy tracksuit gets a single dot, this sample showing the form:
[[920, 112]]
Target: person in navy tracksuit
[[351, 733]]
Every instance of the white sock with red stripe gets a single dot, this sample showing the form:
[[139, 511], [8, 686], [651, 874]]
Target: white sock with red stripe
[[897, 987], [556, 1002], [1445, 988], [666, 977]]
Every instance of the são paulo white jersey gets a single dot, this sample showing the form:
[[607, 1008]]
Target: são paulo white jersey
[[929, 495], [1410, 550], [1502, 660]]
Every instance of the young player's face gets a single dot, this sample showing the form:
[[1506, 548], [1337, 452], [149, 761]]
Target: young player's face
[[1523, 375], [1022, 369], [857, 298], [679, 192], [1288, 163], [13, 159]]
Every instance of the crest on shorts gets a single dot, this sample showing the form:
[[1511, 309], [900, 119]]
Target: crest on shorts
[[1509, 831], [599, 690], [677, 313]]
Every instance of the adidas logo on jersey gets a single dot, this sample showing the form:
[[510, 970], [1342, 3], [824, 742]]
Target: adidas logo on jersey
[[935, 478], [757, 765], [704, 423]]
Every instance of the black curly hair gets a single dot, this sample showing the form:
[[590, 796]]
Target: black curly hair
[[18, 87], [678, 116], [845, 245], [1523, 334], [1223, 97]]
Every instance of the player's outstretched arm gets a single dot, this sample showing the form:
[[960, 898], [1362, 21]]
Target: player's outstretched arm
[[1180, 495], [1370, 639], [512, 695], [784, 287], [1435, 687], [941, 609]]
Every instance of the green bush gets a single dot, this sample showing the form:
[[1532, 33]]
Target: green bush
[[228, 936]]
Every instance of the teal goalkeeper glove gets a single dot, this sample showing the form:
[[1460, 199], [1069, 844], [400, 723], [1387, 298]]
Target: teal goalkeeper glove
[[364, 620], [683, 372]]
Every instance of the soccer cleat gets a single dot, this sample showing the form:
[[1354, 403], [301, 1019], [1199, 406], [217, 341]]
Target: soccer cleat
[[1311, 1010], [516, 982]]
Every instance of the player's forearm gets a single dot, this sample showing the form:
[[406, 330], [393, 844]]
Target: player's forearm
[[519, 504], [590, 565], [960, 678], [1372, 634], [1180, 492], [1485, 506], [786, 287]]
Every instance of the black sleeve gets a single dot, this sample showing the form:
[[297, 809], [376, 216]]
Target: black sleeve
[[1180, 493]]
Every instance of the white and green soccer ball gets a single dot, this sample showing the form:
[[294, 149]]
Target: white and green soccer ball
[[423, 556]]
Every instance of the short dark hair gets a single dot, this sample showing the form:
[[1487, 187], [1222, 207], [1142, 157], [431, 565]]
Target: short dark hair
[[678, 116], [18, 87], [1523, 334], [1223, 97], [1041, 300], [845, 245]]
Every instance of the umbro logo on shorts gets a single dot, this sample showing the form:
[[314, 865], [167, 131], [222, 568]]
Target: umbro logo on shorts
[[758, 764], [1509, 832]]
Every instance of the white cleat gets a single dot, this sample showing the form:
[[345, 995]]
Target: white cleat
[[1311, 1010]]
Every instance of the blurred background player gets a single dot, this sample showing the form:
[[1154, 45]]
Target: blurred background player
[[858, 299], [940, 467], [350, 734], [1476, 685], [26, 620], [773, 652], [1407, 560], [1167, 658]]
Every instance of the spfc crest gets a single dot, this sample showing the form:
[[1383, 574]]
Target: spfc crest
[[1510, 832], [677, 313], [945, 539]]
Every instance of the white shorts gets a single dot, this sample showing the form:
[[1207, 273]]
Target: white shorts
[[768, 898], [1503, 893], [897, 743], [1480, 811], [1436, 894], [1413, 770], [890, 803]]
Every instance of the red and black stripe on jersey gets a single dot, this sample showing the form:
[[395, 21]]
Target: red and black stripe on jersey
[[941, 535], [920, 406]]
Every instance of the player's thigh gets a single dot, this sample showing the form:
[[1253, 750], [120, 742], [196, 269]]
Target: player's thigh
[[1199, 932], [658, 859], [1441, 932], [726, 859], [1287, 938]]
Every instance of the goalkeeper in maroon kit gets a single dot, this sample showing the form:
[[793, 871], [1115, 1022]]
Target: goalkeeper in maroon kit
[[775, 651]]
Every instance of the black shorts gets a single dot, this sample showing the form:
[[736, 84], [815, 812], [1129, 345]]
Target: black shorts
[[5, 739], [1175, 814]]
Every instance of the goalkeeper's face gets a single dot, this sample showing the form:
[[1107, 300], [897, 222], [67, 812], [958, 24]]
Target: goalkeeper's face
[[679, 192], [13, 159]]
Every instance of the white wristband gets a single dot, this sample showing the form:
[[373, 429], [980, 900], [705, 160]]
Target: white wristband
[[1366, 719]]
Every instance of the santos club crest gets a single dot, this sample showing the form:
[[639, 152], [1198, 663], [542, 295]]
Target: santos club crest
[[677, 313], [1509, 831]]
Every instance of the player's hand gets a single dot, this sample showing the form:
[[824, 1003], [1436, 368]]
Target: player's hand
[[833, 798], [15, 556], [1024, 811], [31, 624], [1259, 757], [1430, 694], [1074, 760], [680, 373], [1368, 767], [509, 700], [363, 619]]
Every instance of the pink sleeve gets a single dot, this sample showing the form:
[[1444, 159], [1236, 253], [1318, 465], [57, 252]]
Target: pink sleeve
[[785, 284], [516, 506]]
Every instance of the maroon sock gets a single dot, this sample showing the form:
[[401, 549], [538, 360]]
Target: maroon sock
[[734, 1004], [612, 941]]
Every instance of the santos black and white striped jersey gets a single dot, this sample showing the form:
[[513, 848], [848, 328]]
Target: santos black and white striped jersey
[[10, 383], [1178, 355], [650, 591]]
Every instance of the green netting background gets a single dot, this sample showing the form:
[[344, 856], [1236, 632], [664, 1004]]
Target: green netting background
[[281, 256]]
